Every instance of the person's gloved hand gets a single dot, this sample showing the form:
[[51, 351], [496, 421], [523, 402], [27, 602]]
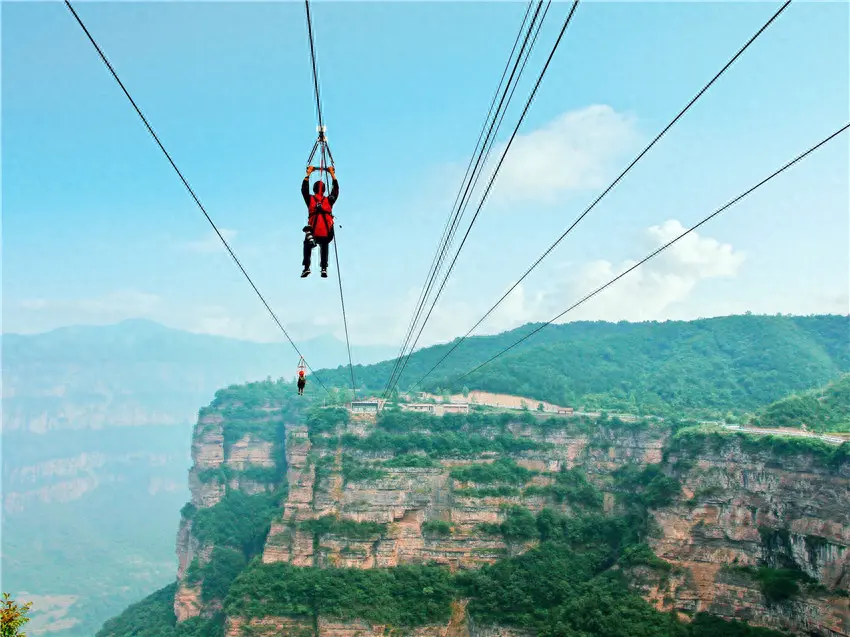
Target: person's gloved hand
[[310, 169]]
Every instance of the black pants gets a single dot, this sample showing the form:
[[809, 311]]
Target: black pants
[[301, 384], [324, 248]]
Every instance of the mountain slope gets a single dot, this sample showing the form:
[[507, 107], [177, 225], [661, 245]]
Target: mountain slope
[[826, 408], [720, 364]]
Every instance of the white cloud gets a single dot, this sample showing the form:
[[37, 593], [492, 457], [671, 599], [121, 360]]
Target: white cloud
[[218, 320], [655, 290], [650, 291], [575, 151], [700, 256], [211, 243], [387, 323], [33, 304]]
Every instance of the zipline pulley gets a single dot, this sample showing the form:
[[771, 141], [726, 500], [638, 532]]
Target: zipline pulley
[[325, 157]]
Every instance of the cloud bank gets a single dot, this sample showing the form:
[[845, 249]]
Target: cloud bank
[[578, 150]]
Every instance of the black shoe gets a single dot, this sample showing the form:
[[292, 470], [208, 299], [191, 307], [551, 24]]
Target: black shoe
[[324, 273], [305, 273]]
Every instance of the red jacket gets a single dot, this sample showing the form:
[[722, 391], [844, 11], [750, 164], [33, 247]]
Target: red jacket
[[320, 208]]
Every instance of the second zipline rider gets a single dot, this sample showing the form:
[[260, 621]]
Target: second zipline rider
[[320, 223]]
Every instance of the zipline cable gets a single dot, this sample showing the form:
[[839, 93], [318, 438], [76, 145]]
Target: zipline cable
[[189, 188], [519, 67], [491, 142], [345, 321], [325, 155], [342, 302], [315, 68], [449, 221], [454, 218], [496, 172], [662, 248], [607, 190], [488, 146]]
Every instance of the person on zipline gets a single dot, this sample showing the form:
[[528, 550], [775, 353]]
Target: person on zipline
[[301, 382], [320, 228]]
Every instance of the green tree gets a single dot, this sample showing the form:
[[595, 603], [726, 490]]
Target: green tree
[[540, 407], [12, 617]]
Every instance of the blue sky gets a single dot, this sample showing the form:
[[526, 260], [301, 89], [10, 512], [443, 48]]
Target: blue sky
[[97, 227]]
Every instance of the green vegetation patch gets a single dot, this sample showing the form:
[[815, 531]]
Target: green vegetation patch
[[642, 555], [401, 596], [354, 470], [502, 491], [238, 521], [324, 466], [646, 486], [259, 424], [224, 474], [436, 528], [342, 527], [410, 461], [441, 445], [705, 625], [571, 486], [519, 525], [216, 576], [503, 470], [778, 585], [326, 420]]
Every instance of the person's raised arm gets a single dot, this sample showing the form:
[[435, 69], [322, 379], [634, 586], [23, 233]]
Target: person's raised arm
[[334, 186], [305, 186]]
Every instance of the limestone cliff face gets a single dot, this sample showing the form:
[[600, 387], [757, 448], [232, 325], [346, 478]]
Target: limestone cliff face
[[406, 498], [216, 466], [743, 509], [460, 625], [738, 507]]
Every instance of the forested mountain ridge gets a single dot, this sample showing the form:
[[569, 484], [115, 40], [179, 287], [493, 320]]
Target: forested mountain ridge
[[733, 363], [314, 522]]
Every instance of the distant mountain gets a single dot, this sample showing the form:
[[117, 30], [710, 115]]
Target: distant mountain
[[89, 518], [732, 363], [140, 372], [90, 508]]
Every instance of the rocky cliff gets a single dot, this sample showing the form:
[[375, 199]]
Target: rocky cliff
[[771, 511], [310, 522]]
